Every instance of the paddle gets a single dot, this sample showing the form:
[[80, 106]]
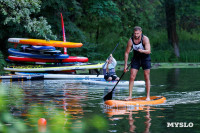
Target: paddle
[[111, 53], [109, 95]]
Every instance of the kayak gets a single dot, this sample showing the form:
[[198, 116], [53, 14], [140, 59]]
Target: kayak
[[43, 68], [69, 59], [28, 48], [16, 52], [41, 48], [42, 42], [112, 83], [136, 101], [63, 76]]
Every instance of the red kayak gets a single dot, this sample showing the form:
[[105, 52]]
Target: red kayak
[[70, 59]]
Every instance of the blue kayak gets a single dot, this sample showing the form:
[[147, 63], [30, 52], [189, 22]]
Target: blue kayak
[[43, 48], [34, 55]]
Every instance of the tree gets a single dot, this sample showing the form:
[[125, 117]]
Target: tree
[[17, 20], [71, 11], [171, 25]]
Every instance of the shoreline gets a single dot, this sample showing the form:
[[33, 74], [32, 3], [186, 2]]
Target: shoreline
[[162, 65]]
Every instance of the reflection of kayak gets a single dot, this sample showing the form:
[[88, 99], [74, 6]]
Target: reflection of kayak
[[21, 77], [136, 101], [32, 55], [43, 68], [63, 76], [69, 59], [44, 42], [122, 111], [104, 82]]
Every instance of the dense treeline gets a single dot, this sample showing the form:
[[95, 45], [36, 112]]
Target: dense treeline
[[171, 25]]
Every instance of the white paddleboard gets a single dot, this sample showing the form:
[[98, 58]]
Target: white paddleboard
[[104, 82], [63, 76]]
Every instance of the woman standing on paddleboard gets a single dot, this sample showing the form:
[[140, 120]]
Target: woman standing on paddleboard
[[141, 58]]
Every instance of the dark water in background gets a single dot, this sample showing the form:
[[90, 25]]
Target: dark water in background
[[84, 103]]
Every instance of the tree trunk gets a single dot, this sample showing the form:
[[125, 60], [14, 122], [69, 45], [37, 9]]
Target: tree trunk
[[97, 35], [171, 25]]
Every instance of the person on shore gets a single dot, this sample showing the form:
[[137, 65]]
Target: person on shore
[[140, 45], [109, 69]]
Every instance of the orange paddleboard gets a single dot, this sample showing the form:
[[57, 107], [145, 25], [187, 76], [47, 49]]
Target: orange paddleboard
[[43, 42], [136, 101]]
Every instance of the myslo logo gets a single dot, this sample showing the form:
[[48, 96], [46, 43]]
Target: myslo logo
[[179, 124]]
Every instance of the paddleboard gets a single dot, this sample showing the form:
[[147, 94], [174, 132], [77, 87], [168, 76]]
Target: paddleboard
[[37, 48], [41, 48], [21, 77], [69, 59], [112, 83], [63, 76], [55, 52], [40, 63], [42, 42], [41, 56], [135, 101], [43, 68]]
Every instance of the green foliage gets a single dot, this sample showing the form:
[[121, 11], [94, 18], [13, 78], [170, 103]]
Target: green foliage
[[188, 13], [95, 124], [28, 114], [101, 24], [20, 12], [2, 60]]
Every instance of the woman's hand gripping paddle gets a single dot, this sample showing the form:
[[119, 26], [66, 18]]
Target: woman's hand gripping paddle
[[109, 95]]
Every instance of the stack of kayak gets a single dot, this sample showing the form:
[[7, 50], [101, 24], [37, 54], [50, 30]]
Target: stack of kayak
[[44, 58], [49, 63], [41, 51]]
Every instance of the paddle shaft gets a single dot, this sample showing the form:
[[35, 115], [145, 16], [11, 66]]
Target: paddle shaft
[[121, 77], [111, 53], [115, 48]]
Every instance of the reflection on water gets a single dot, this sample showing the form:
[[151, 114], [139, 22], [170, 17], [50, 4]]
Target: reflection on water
[[116, 114], [80, 107]]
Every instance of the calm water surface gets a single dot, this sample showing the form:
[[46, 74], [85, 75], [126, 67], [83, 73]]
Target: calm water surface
[[83, 109]]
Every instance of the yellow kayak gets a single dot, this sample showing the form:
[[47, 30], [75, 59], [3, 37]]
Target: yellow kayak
[[42, 42]]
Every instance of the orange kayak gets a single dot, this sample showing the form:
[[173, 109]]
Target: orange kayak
[[42, 42], [136, 101]]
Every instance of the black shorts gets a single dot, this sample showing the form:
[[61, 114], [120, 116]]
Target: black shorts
[[108, 75], [144, 63]]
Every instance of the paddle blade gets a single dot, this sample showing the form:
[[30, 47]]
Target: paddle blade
[[108, 96]]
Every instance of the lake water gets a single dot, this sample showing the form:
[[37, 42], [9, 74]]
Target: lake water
[[69, 106]]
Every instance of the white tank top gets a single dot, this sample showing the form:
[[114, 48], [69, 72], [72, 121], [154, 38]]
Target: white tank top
[[137, 46]]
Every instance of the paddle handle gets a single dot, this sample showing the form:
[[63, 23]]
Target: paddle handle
[[115, 48]]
